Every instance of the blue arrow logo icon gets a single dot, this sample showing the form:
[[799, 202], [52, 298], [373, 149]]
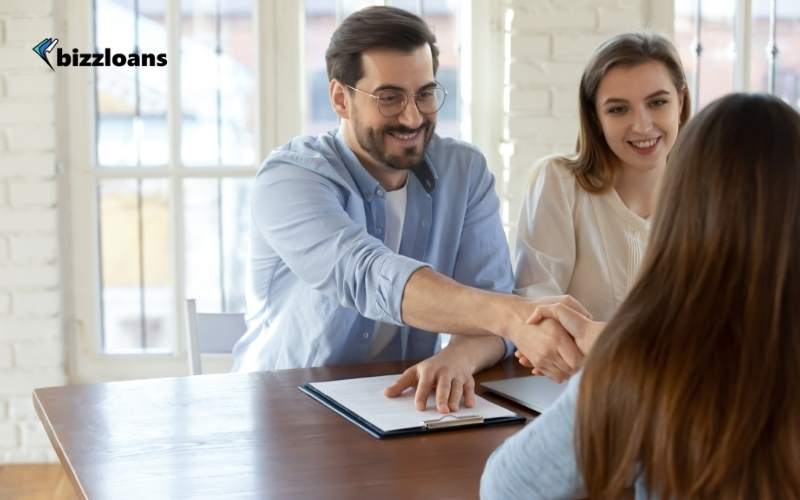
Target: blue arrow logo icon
[[44, 47]]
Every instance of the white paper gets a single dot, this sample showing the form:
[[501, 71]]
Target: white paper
[[364, 397]]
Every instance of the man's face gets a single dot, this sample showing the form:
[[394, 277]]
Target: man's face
[[399, 141]]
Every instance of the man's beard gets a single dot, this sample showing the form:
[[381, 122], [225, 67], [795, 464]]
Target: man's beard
[[371, 140]]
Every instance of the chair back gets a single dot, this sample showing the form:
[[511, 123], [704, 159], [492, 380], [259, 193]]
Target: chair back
[[210, 333]]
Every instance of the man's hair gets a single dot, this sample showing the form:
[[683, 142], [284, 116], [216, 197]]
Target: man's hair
[[375, 28]]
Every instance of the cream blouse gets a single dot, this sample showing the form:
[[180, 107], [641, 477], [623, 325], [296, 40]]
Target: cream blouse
[[573, 242]]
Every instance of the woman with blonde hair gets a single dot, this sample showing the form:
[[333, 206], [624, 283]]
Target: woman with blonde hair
[[689, 391], [584, 222]]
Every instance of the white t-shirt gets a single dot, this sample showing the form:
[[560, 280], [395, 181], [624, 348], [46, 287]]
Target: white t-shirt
[[393, 233], [573, 242]]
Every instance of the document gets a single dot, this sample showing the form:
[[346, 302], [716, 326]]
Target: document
[[361, 401]]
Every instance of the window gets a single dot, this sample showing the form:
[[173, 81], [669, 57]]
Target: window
[[160, 197], [739, 45]]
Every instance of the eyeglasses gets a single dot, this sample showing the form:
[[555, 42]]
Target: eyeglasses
[[392, 102]]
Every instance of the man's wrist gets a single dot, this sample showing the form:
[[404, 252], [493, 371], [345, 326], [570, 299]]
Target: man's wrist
[[505, 311], [465, 348], [478, 352]]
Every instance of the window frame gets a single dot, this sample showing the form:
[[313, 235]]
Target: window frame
[[743, 46], [278, 31]]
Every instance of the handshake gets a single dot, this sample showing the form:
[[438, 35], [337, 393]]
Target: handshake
[[557, 335], [552, 336]]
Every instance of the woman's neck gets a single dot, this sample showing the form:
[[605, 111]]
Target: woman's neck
[[638, 189]]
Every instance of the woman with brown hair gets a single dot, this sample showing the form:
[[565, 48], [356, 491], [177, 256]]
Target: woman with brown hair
[[689, 391], [584, 223]]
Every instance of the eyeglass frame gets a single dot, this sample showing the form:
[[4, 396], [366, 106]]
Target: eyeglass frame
[[408, 97]]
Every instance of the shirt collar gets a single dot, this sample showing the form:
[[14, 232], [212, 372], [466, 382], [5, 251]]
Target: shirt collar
[[367, 184]]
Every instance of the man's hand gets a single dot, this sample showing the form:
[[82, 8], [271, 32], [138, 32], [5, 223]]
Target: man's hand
[[449, 373]]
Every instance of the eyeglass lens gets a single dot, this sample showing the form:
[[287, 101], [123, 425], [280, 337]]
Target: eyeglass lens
[[393, 102]]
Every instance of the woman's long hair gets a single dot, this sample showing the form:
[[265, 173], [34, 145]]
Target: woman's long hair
[[594, 164], [693, 383]]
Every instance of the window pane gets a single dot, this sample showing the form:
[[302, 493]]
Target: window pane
[[218, 83], [716, 38], [131, 100], [442, 17], [136, 276], [787, 37], [350, 6], [759, 40], [216, 237], [320, 22], [684, 36], [409, 5], [787, 78]]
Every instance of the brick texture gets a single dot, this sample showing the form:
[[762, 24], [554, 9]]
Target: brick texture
[[548, 44], [31, 333]]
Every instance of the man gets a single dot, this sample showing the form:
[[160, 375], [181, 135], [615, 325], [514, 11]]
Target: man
[[368, 238]]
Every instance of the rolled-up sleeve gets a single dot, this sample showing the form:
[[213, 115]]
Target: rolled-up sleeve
[[483, 259], [301, 215]]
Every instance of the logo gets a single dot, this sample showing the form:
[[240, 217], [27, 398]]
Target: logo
[[105, 58], [44, 47]]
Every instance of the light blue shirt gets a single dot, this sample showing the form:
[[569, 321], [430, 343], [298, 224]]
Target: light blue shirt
[[320, 275], [539, 462]]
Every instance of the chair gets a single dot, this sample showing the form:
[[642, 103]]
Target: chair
[[210, 333]]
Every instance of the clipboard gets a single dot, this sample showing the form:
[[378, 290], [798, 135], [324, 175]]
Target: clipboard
[[361, 401]]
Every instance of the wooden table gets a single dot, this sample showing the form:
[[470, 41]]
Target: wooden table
[[253, 436]]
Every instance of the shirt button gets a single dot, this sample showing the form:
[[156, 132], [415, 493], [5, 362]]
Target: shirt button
[[366, 335], [379, 230], [424, 223], [380, 192]]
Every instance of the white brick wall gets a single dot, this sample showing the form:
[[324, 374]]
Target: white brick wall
[[30, 138], [39, 85], [5, 251], [549, 42], [41, 248], [22, 29], [31, 335]]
